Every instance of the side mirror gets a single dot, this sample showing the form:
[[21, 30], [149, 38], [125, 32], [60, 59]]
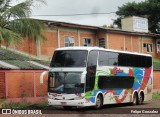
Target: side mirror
[[42, 76], [77, 85], [83, 77]]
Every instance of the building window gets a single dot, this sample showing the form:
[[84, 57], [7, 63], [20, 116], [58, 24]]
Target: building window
[[101, 42], [158, 47], [68, 41], [87, 42], [149, 47]]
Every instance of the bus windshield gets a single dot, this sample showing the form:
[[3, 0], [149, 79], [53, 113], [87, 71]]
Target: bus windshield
[[69, 58], [63, 82]]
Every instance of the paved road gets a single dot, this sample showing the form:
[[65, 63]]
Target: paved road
[[107, 109], [116, 110]]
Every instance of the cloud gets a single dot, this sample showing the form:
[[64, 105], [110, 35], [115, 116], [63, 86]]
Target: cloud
[[60, 7]]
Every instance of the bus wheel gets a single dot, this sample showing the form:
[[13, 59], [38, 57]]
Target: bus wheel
[[141, 98], [99, 102], [135, 99], [67, 107]]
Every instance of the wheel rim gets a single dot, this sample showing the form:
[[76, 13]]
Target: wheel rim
[[98, 102], [140, 99], [134, 99]]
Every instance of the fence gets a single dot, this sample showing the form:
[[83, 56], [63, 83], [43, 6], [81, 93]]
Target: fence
[[22, 83]]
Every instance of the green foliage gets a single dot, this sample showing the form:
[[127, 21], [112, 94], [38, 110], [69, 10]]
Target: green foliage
[[156, 60], [156, 96], [43, 104], [25, 104], [156, 64], [1, 101], [110, 26], [148, 8], [15, 24], [16, 105]]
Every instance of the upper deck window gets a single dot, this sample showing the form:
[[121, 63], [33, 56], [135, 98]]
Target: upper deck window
[[69, 58], [123, 59]]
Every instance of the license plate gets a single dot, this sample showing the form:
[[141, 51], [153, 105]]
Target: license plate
[[63, 103]]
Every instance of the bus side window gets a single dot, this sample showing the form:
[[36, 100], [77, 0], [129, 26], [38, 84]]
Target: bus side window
[[91, 70], [113, 59]]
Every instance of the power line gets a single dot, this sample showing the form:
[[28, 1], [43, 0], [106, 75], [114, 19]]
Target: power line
[[76, 14]]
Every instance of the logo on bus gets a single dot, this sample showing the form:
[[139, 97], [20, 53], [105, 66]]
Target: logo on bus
[[116, 70], [56, 95]]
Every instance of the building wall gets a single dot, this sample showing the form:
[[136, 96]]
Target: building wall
[[156, 81], [128, 43], [47, 48], [135, 44], [158, 55], [78, 35], [70, 34], [2, 85], [115, 41], [147, 40], [22, 83], [89, 35], [123, 42], [103, 35], [26, 45]]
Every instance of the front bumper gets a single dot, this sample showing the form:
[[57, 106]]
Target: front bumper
[[80, 103]]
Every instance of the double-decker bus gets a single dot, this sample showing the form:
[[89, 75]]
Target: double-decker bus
[[93, 76]]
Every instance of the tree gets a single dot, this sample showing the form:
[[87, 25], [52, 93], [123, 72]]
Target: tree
[[109, 26], [149, 9], [16, 24]]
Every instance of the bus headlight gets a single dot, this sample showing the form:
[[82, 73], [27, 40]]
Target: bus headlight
[[50, 96], [78, 98]]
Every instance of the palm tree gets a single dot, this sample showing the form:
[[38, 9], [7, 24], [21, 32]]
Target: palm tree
[[15, 23]]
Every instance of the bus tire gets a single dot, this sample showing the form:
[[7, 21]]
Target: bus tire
[[141, 98], [135, 99], [99, 102], [67, 107]]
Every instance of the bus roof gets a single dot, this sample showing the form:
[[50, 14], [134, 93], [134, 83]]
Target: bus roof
[[100, 48]]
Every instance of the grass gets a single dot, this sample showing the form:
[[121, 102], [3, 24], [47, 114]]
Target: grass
[[43, 104], [24, 104], [16, 105], [156, 60], [156, 64], [156, 96], [1, 101]]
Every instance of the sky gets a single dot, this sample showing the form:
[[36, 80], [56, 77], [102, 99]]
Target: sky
[[64, 7]]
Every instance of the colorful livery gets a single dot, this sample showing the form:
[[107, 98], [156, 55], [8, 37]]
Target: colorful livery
[[92, 76]]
